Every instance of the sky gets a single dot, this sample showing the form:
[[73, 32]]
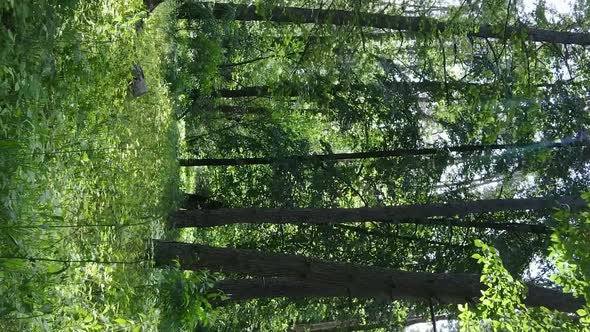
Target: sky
[[561, 6]]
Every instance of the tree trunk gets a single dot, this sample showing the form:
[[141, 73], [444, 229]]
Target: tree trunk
[[414, 214], [385, 235], [431, 87], [373, 154], [353, 325], [422, 86], [319, 278], [248, 289], [199, 10], [336, 326], [249, 91], [196, 201], [151, 4], [233, 110], [417, 320], [256, 59]]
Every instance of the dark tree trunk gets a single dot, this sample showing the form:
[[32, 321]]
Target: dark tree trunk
[[319, 278], [151, 4], [232, 110], [260, 58], [414, 214], [247, 289], [198, 10], [196, 201], [421, 86], [250, 91], [324, 326], [373, 154], [386, 235]]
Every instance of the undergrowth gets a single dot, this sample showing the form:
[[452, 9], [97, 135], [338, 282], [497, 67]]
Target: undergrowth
[[87, 171]]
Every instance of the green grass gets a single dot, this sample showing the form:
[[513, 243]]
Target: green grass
[[86, 170]]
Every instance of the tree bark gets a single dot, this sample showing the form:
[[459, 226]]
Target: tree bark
[[314, 277], [249, 91], [373, 154], [199, 10], [422, 86], [385, 235], [196, 201], [232, 110], [248, 289], [431, 87], [150, 5], [335, 326], [414, 214]]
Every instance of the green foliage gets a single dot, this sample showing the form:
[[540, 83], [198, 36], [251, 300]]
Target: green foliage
[[501, 301], [501, 306], [87, 171], [184, 298], [207, 55], [569, 252]]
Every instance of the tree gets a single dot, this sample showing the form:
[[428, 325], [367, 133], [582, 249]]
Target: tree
[[351, 325], [418, 86], [198, 10], [375, 154], [320, 278], [390, 214]]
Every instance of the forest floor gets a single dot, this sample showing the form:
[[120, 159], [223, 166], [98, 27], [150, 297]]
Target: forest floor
[[87, 171]]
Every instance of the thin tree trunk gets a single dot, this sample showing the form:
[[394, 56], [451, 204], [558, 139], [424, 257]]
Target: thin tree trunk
[[198, 10], [373, 154], [249, 91], [321, 278], [245, 62], [414, 214], [253, 60], [150, 5], [196, 201], [355, 325], [416, 320], [335, 326], [385, 235], [422, 86], [232, 110]]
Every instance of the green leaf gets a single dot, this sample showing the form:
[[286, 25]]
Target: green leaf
[[121, 321], [581, 312], [479, 243], [84, 157]]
